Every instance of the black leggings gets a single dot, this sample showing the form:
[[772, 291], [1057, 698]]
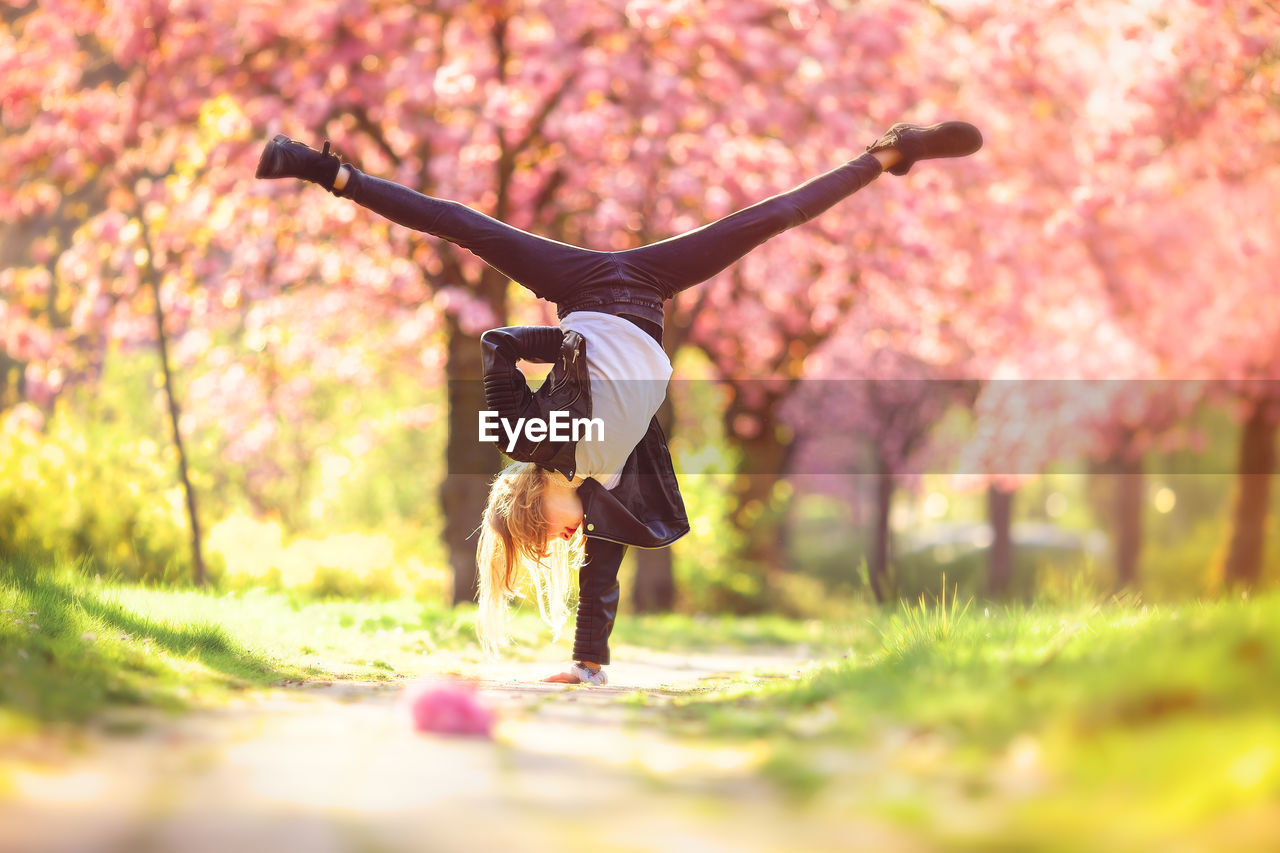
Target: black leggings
[[634, 281]]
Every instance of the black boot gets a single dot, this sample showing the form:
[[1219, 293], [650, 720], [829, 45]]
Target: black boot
[[913, 142], [284, 158]]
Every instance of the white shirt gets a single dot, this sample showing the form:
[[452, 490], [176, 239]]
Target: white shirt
[[629, 372]]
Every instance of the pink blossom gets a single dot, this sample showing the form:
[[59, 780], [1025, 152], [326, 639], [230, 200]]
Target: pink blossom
[[449, 707]]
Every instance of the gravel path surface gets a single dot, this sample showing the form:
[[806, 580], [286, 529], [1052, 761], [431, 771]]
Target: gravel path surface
[[339, 767]]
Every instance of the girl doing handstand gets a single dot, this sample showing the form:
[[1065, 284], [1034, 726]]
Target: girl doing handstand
[[577, 505]]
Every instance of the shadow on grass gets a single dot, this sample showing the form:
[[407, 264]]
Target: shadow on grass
[[203, 642], [66, 652]]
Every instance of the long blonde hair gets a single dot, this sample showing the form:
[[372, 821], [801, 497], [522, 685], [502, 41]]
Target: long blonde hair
[[514, 553]]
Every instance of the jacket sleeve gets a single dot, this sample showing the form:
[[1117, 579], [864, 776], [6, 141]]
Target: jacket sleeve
[[505, 389]]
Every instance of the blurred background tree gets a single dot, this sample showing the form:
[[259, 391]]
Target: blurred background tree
[[1115, 236]]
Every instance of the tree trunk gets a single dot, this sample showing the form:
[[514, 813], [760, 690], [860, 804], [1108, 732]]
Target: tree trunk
[[469, 464], [1130, 487], [1000, 561], [878, 568], [10, 381], [1121, 483], [654, 588], [756, 516], [1257, 461], [175, 415]]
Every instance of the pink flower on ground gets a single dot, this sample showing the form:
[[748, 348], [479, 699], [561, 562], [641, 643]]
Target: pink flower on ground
[[449, 707]]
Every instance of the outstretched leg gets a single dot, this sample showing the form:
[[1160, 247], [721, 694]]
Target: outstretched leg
[[681, 262], [634, 281], [551, 269]]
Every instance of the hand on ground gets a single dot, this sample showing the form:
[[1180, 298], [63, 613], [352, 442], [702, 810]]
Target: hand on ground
[[563, 678]]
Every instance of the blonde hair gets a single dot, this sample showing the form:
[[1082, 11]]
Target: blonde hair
[[514, 553]]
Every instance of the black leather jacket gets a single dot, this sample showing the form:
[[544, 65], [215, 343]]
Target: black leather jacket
[[645, 509]]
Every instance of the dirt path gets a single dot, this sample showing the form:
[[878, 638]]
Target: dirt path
[[339, 768]]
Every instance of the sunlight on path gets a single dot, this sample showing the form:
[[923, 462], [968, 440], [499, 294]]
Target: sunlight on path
[[338, 767]]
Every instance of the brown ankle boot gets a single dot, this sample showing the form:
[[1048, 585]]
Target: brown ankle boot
[[284, 158], [913, 142]]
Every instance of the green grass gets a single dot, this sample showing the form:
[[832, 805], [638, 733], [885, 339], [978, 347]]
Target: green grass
[[72, 647], [676, 632], [1084, 726], [1095, 727]]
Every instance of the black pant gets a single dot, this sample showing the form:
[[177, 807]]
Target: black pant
[[633, 283]]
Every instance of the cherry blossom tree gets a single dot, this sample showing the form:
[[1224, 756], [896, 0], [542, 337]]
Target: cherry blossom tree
[[1110, 214], [1115, 226]]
